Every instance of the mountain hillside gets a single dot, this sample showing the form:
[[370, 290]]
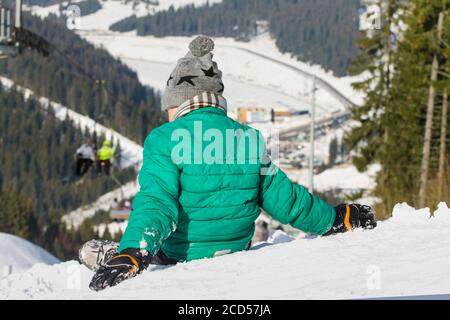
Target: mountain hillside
[[85, 79], [321, 31]]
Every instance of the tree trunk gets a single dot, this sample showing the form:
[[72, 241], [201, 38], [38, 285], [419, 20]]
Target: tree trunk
[[442, 149], [429, 122]]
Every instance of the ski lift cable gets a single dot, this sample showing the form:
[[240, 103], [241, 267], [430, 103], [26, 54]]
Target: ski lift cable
[[93, 80]]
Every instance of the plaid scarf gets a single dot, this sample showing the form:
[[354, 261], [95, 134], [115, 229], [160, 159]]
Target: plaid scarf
[[206, 99]]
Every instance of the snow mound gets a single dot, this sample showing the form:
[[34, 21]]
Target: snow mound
[[18, 255], [406, 255]]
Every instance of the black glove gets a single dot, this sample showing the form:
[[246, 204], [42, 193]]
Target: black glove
[[125, 265], [351, 216]]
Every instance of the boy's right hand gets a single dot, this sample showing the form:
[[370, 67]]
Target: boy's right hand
[[123, 266], [351, 216]]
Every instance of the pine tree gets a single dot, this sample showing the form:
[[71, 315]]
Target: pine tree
[[333, 152], [373, 58], [376, 49], [392, 120], [107, 234], [16, 214], [407, 112]]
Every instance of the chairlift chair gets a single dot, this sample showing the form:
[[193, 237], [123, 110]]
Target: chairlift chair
[[14, 38]]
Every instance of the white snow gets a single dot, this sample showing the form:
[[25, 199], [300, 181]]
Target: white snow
[[18, 255], [42, 12], [345, 177], [408, 254], [111, 12]]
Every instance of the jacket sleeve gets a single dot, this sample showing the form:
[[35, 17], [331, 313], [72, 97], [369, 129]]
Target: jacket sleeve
[[291, 203], [155, 208]]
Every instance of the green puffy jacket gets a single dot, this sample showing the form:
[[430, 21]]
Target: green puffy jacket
[[197, 210]]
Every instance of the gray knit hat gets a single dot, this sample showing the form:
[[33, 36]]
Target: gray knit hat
[[194, 74]]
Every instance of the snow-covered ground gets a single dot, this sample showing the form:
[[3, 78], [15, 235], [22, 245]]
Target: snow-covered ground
[[408, 254], [345, 177], [131, 151], [19, 255]]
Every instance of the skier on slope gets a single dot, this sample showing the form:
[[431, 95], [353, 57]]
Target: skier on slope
[[85, 157], [104, 156], [195, 203]]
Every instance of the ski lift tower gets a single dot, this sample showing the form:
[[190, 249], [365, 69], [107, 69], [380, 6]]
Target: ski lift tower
[[14, 38], [8, 47]]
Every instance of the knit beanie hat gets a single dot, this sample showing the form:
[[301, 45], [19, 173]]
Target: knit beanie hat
[[194, 74]]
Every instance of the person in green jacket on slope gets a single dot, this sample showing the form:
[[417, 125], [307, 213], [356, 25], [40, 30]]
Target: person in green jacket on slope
[[203, 182]]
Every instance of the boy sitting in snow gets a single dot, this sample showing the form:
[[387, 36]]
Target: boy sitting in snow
[[203, 181]]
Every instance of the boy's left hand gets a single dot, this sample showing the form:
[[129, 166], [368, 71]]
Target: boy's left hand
[[351, 216], [123, 266]]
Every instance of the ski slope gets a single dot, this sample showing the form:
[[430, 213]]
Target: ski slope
[[116, 10], [254, 73], [408, 254], [345, 177], [19, 255]]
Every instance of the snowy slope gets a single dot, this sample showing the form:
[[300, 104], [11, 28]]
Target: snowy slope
[[42, 12], [344, 176], [116, 10], [18, 255], [131, 151], [409, 254], [254, 74]]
